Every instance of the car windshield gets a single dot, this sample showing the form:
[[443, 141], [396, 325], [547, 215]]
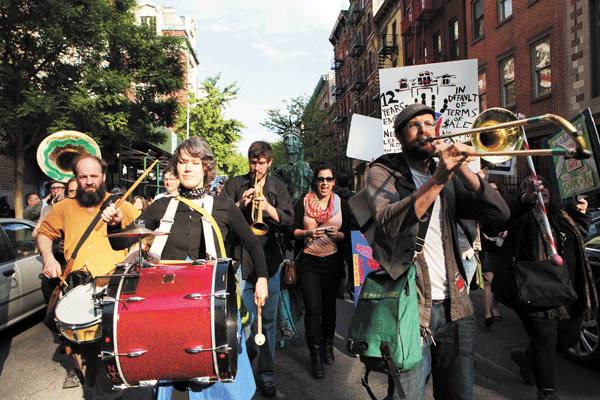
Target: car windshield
[[592, 241]]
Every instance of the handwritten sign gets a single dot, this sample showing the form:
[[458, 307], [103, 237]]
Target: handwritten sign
[[450, 88], [573, 177]]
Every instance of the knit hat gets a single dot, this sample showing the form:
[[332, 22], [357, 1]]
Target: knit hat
[[409, 112]]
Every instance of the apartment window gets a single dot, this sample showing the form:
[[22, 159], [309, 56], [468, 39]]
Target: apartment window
[[425, 53], [455, 53], [542, 74], [504, 9], [507, 79], [394, 33], [150, 21], [477, 11], [437, 45], [482, 86]]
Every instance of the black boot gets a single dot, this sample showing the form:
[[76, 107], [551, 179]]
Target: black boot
[[328, 356], [546, 394], [316, 356]]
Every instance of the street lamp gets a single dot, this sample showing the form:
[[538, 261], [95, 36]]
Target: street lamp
[[187, 133]]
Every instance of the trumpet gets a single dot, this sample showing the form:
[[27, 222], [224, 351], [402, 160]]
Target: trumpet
[[258, 227], [498, 135]]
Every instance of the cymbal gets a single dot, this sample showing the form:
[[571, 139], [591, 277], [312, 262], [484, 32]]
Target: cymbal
[[138, 232]]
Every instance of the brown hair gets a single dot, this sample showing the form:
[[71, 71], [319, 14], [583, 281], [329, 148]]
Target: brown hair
[[260, 149], [197, 147]]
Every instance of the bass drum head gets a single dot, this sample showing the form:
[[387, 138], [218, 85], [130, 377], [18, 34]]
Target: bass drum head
[[226, 310]]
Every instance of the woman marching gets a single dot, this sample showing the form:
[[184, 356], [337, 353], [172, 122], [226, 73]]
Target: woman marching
[[322, 221], [193, 163], [569, 226]]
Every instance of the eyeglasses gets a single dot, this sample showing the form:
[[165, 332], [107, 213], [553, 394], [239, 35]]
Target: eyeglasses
[[414, 125], [325, 178], [57, 188]]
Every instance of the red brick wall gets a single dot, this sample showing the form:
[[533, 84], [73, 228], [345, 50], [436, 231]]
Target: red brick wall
[[526, 22]]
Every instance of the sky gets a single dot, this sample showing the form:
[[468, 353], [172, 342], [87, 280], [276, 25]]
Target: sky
[[273, 50]]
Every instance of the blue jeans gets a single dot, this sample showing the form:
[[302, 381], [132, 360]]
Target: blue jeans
[[451, 360], [266, 358]]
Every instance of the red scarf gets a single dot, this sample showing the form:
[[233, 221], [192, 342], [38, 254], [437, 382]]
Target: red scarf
[[313, 210]]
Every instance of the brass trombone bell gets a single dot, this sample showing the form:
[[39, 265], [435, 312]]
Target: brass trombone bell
[[497, 136]]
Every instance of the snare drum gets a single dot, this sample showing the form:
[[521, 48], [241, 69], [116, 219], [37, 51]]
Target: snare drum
[[174, 322], [76, 317]]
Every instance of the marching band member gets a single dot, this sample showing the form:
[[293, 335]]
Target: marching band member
[[403, 191], [72, 216], [278, 211], [193, 163]]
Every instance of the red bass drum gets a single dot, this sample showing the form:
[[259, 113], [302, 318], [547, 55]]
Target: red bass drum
[[170, 322]]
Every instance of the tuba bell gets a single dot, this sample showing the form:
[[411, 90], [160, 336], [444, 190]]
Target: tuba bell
[[56, 153]]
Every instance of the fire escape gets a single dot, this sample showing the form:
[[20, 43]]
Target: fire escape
[[338, 90], [417, 14], [356, 48]]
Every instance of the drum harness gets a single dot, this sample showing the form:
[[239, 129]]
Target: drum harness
[[209, 225]]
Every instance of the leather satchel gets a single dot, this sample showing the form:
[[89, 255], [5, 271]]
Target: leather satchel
[[290, 276], [530, 286], [541, 285]]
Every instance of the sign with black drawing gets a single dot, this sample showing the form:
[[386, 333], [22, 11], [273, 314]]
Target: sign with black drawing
[[450, 88]]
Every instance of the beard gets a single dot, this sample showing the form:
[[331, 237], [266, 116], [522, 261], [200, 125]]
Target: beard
[[91, 199], [418, 152]]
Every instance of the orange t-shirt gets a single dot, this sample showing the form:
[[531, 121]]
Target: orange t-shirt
[[95, 254]]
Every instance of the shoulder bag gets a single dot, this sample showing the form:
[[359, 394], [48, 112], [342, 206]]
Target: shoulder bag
[[530, 286]]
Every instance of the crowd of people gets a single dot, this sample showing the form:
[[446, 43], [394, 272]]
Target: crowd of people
[[428, 187]]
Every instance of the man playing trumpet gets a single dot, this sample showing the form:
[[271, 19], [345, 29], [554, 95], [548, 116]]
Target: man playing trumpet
[[258, 194]]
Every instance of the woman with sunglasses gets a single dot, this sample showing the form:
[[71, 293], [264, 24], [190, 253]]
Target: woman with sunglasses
[[322, 221]]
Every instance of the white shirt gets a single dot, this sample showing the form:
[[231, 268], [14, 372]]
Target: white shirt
[[433, 249]]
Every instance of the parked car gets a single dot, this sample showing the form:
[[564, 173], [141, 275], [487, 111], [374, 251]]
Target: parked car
[[20, 272], [588, 348]]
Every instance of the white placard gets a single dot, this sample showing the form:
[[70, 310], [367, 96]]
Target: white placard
[[450, 88], [363, 138]]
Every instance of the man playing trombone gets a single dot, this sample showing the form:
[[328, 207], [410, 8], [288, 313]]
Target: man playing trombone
[[267, 207], [403, 191]]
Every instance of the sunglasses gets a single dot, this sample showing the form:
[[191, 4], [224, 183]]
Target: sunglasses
[[325, 178]]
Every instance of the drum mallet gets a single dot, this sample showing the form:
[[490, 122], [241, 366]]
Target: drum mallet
[[259, 339]]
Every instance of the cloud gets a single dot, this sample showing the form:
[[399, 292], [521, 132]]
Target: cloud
[[273, 16], [279, 55]]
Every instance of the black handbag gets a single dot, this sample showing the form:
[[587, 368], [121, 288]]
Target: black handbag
[[530, 286]]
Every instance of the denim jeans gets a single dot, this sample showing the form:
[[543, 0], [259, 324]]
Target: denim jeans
[[450, 360], [266, 358]]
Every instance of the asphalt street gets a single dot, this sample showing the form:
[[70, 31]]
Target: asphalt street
[[32, 368]]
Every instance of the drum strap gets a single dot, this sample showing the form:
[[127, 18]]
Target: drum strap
[[165, 226], [209, 225]]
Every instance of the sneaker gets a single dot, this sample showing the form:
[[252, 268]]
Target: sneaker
[[267, 388], [518, 356], [71, 380]]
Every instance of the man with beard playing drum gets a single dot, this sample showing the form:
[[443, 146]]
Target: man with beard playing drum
[[73, 216], [194, 164]]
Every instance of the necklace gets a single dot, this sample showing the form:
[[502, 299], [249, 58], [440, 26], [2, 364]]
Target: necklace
[[192, 194]]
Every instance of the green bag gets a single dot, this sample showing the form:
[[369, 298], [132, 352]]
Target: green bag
[[385, 330]]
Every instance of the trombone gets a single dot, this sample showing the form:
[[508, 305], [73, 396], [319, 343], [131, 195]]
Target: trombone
[[497, 136], [258, 227]]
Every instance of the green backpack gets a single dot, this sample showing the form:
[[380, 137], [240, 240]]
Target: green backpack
[[385, 330]]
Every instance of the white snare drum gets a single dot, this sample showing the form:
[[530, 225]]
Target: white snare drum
[[76, 317]]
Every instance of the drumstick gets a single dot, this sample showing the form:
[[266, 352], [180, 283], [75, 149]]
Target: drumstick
[[128, 192], [259, 339], [64, 282]]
